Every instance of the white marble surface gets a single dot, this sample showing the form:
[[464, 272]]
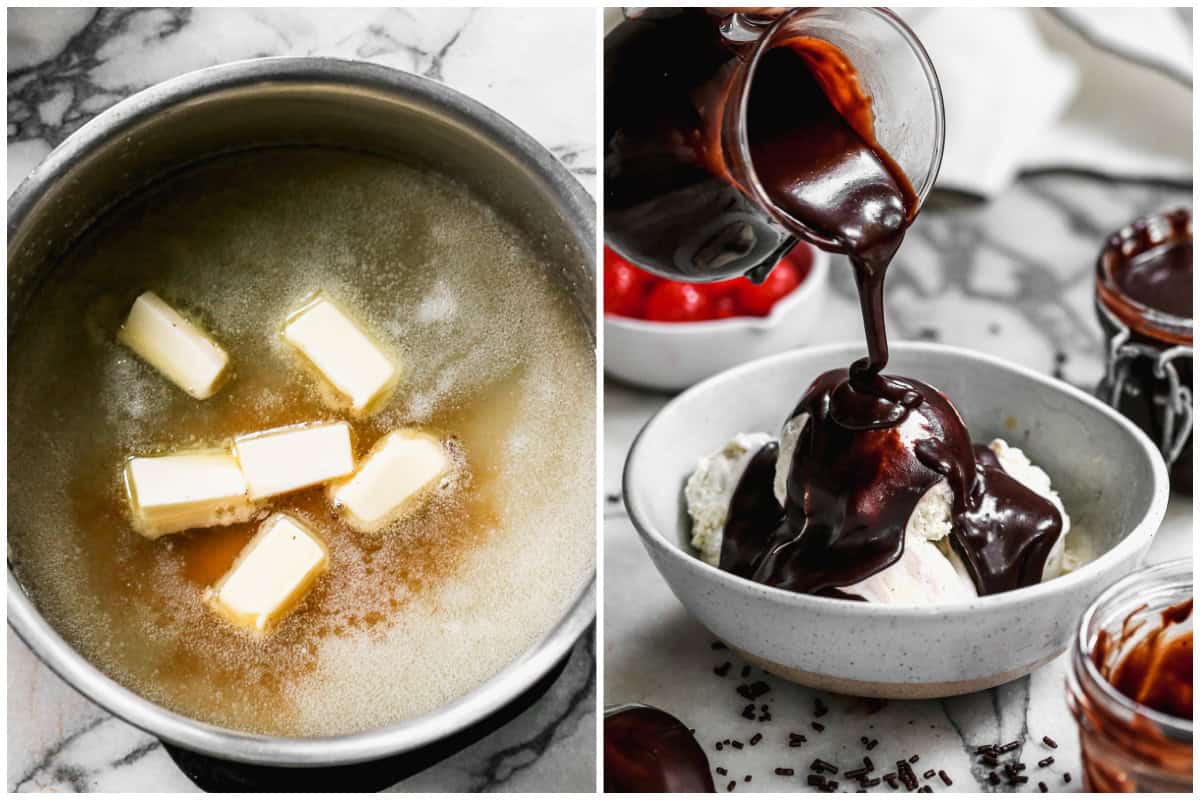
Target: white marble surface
[[1011, 277], [535, 67]]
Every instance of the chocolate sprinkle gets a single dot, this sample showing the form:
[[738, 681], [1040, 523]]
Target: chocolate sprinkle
[[1047, 761], [753, 691], [870, 783], [816, 780], [1066, 777], [871, 745], [1046, 740], [720, 746], [819, 707], [818, 727], [929, 773], [907, 776], [1004, 748], [755, 739], [891, 779], [737, 745], [730, 785], [748, 778], [1042, 787], [821, 765], [925, 789], [722, 670], [719, 646], [868, 763], [722, 771], [855, 774], [785, 771], [945, 778], [913, 759], [993, 778]]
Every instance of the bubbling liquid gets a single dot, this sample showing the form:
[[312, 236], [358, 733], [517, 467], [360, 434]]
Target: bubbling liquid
[[494, 358]]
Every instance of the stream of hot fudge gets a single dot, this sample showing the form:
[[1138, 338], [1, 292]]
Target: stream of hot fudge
[[873, 443]]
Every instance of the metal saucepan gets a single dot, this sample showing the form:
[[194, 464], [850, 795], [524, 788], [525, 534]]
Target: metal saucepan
[[278, 101]]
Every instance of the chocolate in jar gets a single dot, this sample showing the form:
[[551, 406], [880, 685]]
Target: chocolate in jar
[[1130, 685], [1144, 304]]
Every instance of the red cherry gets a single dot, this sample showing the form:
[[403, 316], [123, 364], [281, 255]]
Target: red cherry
[[671, 301], [801, 257], [625, 286], [758, 300], [725, 307]]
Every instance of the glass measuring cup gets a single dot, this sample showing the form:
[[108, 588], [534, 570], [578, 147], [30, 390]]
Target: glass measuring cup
[[682, 197]]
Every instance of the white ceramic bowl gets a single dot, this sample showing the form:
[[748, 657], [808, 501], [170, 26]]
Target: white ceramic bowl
[[673, 355], [1110, 476]]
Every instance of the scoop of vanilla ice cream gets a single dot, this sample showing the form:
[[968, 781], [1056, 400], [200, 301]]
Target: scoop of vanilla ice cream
[[922, 576], [710, 489]]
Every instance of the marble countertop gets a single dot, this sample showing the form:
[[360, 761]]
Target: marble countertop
[[65, 66], [1011, 277]]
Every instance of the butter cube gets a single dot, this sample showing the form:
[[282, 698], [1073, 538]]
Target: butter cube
[[286, 459], [174, 346], [272, 574], [399, 468], [340, 351], [197, 489]]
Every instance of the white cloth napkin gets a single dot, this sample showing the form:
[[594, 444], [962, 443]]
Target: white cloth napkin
[[1103, 90]]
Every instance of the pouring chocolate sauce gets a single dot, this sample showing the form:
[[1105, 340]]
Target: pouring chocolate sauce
[[725, 140], [873, 444]]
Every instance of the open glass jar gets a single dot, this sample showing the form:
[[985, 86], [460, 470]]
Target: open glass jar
[[1127, 746], [1147, 323]]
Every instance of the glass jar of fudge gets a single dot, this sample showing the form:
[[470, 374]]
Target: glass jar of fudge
[[1144, 303], [1130, 685]]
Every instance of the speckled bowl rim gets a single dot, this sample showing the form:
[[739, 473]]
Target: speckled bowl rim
[[1126, 549]]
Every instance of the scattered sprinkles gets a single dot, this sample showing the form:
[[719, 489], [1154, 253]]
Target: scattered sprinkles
[[989, 755]]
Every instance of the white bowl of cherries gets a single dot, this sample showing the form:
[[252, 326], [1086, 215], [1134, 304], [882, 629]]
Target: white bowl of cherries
[[667, 335]]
